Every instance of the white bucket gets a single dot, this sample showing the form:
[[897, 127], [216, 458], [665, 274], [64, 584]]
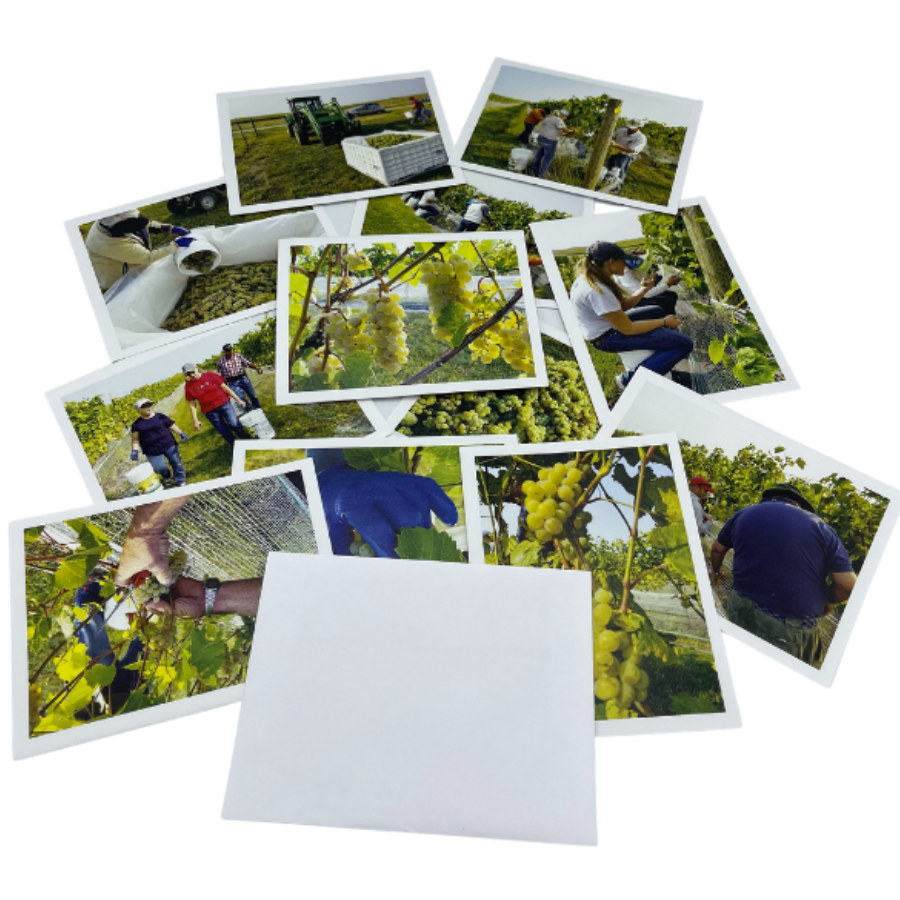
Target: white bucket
[[519, 158], [116, 613], [196, 246], [257, 425], [144, 479]]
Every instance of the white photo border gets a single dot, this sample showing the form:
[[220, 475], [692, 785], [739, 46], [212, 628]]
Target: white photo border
[[731, 717], [826, 674], [223, 101], [24, 746], [696, 106]]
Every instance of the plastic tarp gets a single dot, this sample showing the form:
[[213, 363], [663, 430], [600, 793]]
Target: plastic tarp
[[139, 302]]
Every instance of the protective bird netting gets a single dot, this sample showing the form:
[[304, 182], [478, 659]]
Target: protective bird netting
[[229, 532]]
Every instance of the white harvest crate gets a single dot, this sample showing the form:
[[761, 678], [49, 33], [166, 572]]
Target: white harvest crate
[[393, 165]]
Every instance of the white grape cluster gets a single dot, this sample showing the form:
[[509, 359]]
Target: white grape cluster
[[348, 334], [357, 261], [387, 330], [550, 503], [446, 283], [318, 363], [619, 681], [516, 347], [358, 547], [483, 348], [344, 284]]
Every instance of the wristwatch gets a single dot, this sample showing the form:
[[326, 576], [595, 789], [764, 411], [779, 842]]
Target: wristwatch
[[211, 586]]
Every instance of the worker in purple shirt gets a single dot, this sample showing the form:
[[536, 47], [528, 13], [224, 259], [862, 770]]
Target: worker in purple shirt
[[232, 366], [784, 556], [154, 434]]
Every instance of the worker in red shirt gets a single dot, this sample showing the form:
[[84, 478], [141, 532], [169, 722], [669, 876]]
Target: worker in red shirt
[[419, 111], [208, 393]]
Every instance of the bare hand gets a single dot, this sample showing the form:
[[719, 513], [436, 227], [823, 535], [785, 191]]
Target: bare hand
[[672, 322], [147, 551], [187, 600], [672, 280], [648, 281], [197, 425]]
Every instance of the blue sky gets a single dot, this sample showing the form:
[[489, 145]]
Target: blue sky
[[525, 84]]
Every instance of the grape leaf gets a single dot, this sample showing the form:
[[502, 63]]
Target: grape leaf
[[319, 381], [74, 662], [55, 722], [33, 534], [74, 570], [139, 700], [427, 543], [207, 656], [357, 370], [686, 704], [716, 351], [526, 553], [375, 459], [78, 697], [452, 317], [672, 540], [100, 676]]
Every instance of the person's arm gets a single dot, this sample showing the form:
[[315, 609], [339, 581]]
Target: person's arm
[[135, 445], [194, 407], [251, 365], [625, 326], [147, 543], [636, 297], [177, 431], [716, 558], [187, 599], [843, 584], [135, 253]]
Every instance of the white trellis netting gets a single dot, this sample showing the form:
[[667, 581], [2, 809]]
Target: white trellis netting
[[228, 533]]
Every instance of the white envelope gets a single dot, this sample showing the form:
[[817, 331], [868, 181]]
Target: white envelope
[[416, 696]]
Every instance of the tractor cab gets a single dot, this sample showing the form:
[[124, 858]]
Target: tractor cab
[[329, 122]]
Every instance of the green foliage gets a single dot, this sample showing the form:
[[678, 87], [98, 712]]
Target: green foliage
[[585, 113], [739, 481], [426, 543], [668, 243], [380, 141]]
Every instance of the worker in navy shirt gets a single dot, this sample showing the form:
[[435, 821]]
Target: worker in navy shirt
[[154, 435], [784, 555]]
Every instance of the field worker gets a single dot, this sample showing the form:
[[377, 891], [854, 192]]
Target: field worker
[[208, 393], [428, 207], [783, 556], [535, 117], [154, 435], [477, 211], [420, 113], [121, 243], [700, 489], [610, 320], [552, 128], [233, 367], [629, 142], [659, 294]]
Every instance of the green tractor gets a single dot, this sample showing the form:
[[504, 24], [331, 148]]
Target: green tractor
[[327, 121]]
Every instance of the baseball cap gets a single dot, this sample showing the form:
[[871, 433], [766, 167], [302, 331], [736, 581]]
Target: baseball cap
[[187, 368], [700, 481], [228, 346], [144, 401], [564, 113], [788, 492], [601, 251]]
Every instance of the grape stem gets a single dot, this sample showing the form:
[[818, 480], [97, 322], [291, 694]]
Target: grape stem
[[304, 315], [468, 339], [633, 536], [487, 499]]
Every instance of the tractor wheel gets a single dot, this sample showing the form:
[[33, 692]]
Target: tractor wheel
[[205, 201], [303, 136], [177, 206]]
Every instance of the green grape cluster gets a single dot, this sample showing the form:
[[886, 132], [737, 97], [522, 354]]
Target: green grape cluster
[[550, 504], [357, 261], [348, 334], [515, 345], [387, 330], [318, 363], [358, 547], [447, 284], [562, 411], [619, 681]]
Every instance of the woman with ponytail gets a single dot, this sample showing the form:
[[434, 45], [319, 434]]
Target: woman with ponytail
[[611, 320]]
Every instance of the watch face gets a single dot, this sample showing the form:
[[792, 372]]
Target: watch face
[[212, 583]]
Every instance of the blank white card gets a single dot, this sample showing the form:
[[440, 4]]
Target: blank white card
[[419, 696]]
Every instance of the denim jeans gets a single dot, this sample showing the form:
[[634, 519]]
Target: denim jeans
[[525, 136], [421, 115], [161, 462], [244, 389], [670, 346], [224, 419], [466, 225], [541, 161], [665, 301], [621, 161]]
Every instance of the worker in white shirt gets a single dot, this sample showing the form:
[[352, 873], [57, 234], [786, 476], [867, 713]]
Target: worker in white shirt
[[477, 211], [628, 142], [700, 489], [553, 128], [428, 207], [659, 293]]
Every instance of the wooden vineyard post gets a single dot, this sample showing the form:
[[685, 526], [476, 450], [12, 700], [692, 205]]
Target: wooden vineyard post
[[716, 271], [602, 137]]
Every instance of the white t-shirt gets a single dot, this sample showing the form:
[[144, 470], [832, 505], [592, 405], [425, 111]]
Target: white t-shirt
[[631, 284], [551, 128], [591, 306], [429, 198], [475, 212], [704, 526], [636, 142]]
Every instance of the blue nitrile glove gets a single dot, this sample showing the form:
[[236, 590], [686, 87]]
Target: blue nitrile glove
[[182, 437], [378, 505], [134, 456], [177, 229], [185, 241], [93, 632]]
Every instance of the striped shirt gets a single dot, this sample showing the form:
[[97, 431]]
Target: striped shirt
[[234, 367]]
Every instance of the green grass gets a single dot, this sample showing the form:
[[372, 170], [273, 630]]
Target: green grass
[[263, 459], [390, 215], [607, 366], [495, 136], [275, 167], [424, 349]]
